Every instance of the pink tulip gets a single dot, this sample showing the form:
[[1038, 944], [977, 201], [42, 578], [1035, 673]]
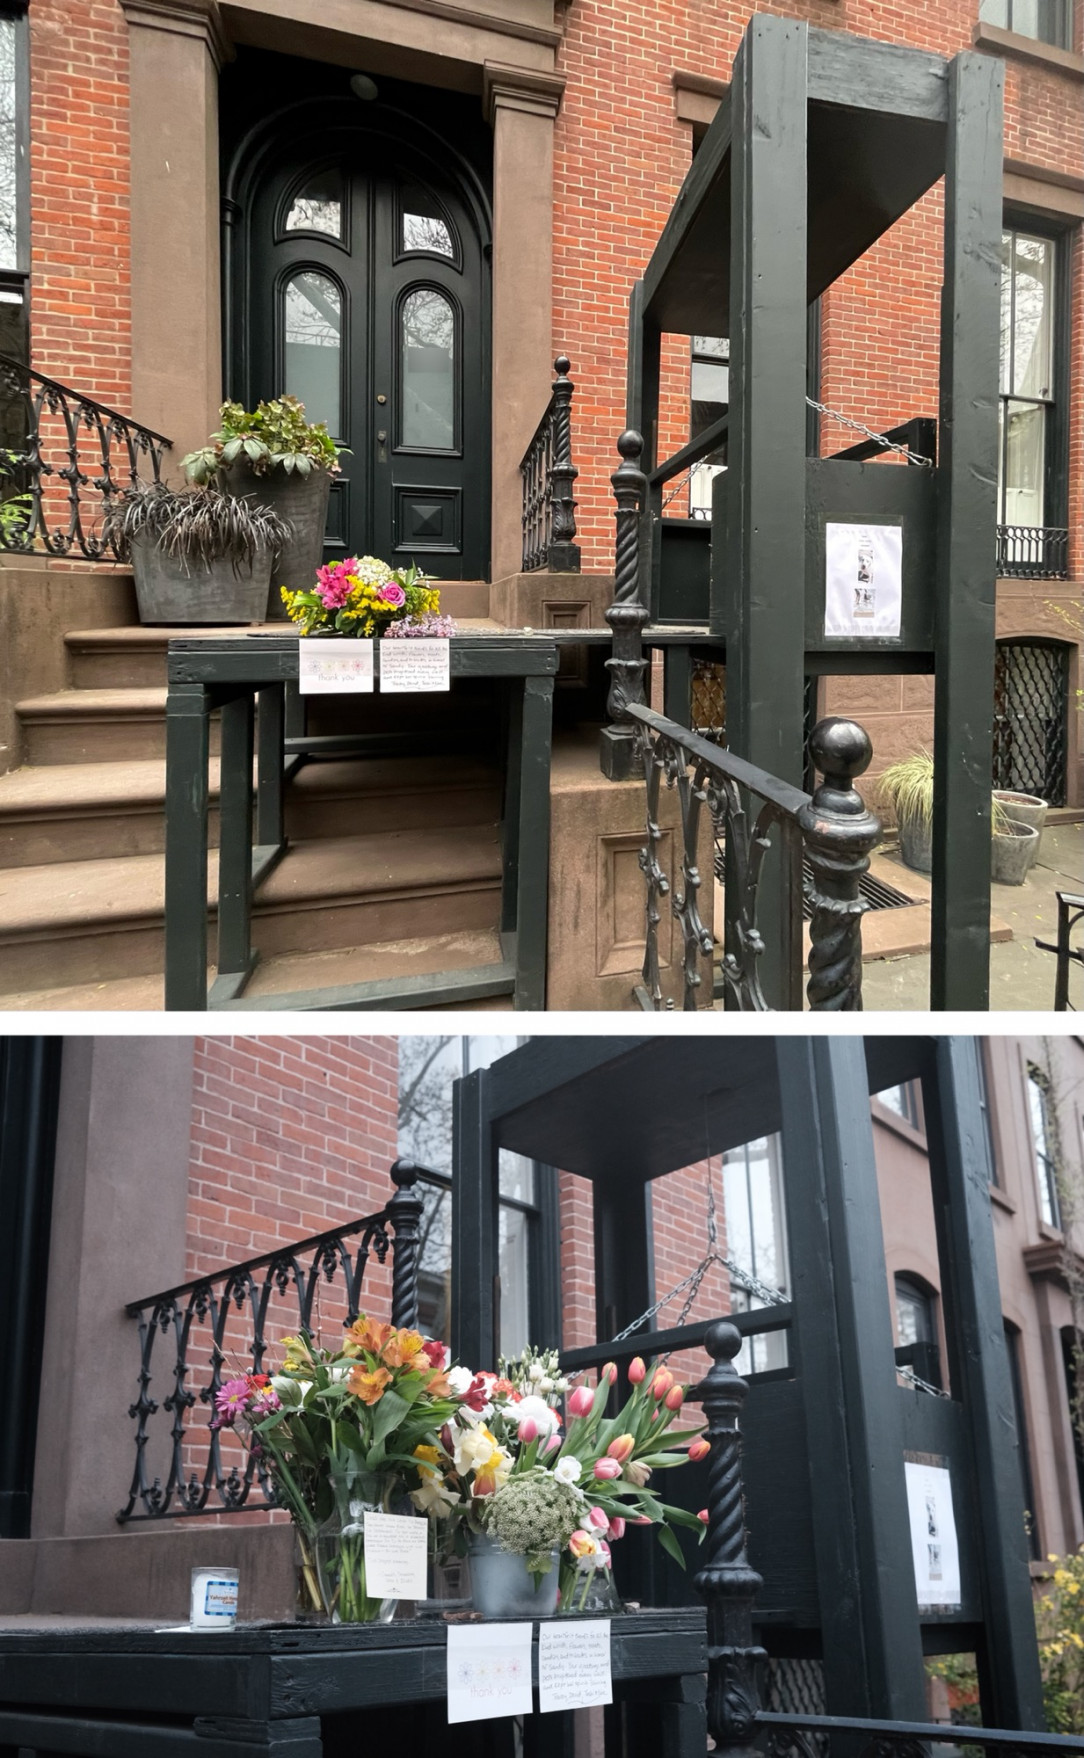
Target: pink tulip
[[703, 1515], [637, 1370], [621, 1448], [661, 1384], [552, 1444], [605, 1549], [609, 1372], [617, 1526], [581, 1401], [642, 1520], [528, 1430], [675, 1397], [699, 1450], [598, 1518], [606, 1469]]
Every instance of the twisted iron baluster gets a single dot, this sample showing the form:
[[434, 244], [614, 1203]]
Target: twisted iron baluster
[[726, 1583], [563, 551], [696, 939], [657, 884], [405, 1214], [626, 615], [839, 834]]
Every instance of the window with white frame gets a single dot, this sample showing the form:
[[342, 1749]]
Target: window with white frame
[[1047, 21], [709, 397], [756, 1240], [1043, 1141], [1029, 299], [903, 1101]]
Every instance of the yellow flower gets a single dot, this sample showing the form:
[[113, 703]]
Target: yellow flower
[[428, 1459], [402, 1348]]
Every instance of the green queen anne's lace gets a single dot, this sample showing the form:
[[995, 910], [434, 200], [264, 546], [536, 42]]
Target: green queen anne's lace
[[534, 1514]]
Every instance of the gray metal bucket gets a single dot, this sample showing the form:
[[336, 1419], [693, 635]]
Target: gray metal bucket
[[302, 502], [171, 591]]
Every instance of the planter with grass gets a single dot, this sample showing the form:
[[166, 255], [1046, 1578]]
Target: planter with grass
[[274, 458], [907, 787], [198, 556], [1023, 808]]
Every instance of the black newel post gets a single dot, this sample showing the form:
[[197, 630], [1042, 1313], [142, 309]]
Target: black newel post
[[404, 1213], [839, 834], [726, 1582], [626, 616], [564, 552]]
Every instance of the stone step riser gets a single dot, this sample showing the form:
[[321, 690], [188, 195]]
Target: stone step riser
[[137, 670], [101, 954], [98, 738], [101, 833]]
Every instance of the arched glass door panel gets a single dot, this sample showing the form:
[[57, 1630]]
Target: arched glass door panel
[[427, 371], [313, 345], [424, 227], [317, 205]]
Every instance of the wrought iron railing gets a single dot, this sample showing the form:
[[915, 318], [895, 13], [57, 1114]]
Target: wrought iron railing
[[549, 510], [239, 1312], [1033, 552], [1070, 921], [69, 456], [811, 1736]]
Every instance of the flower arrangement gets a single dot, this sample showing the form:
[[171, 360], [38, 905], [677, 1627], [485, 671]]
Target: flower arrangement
[[363, 596], [508, 1468], [337, 1431]]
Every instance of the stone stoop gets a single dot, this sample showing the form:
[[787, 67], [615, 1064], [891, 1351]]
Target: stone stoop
[[82, 833]]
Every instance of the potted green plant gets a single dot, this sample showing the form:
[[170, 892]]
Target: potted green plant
[[907, 787], [198, 555], [276, 458]]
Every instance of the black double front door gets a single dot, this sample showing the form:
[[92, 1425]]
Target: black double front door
[[366, 299]]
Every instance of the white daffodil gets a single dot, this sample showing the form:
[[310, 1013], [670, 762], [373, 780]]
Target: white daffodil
[[567, 1470]]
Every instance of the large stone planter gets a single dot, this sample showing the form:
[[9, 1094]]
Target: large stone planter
[[916, 844], [302, 502], [172, 591], [1023, 808], [1014, 849]]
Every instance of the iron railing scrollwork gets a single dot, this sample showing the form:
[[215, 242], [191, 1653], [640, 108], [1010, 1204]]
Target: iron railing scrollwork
[[200, 1478], [832, 827], [1033, 552], [71, 456], [549, 476]]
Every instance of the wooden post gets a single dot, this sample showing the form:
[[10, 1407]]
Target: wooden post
[[235, 841], [475, 1275], [967, 534], [759, 548], [187, 745]]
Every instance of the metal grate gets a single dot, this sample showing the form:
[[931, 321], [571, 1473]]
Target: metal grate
[[876, 893], [795, 1687], [1031, 713], [709, 700]]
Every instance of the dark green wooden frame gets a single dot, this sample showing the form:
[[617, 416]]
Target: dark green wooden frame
[[821, 143], [825, 1440], [231, 674]]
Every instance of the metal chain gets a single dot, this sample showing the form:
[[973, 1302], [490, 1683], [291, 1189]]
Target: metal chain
[[860, 427], [920, 1385]]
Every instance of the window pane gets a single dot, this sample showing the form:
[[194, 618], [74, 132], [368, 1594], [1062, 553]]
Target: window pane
[[435, 1262], [903, 1100], [995, 12], [710, 382], [1024, 463], [424, 224], [716, 346], [756, 1240], [314, 347], [515, 1302], [914, 1319], [319, 206], [1033, 316], [427, 1068], [9, 146], [428, 369]]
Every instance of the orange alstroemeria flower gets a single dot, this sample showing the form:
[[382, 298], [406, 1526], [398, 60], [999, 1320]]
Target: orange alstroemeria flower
[[369, 1335], [438, 1385], [402, 1349], [369, 1387]]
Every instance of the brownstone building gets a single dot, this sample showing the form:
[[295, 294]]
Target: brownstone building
[[236, 197]]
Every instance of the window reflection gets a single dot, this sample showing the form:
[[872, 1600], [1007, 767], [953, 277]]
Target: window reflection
[[313, 348], [428, 370], [9, 146], [318, 207], [424, 226]]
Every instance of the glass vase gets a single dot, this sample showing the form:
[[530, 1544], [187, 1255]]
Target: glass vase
[[502, 1585], [340, 1552], [309, 1605], [587, 1590]]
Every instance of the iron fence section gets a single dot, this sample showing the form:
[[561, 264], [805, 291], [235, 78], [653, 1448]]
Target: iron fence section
[[548, 474], [1031, 719], [811, 1736], [73, 456], [212, 1471]]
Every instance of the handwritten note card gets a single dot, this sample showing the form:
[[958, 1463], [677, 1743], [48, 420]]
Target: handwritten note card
[[396, 1556], [574, 1664], [415, 665], [334, 667], [489, 1671]]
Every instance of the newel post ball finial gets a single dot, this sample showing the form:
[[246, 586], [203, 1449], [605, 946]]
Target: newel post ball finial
[[562, 366], [839, 833]]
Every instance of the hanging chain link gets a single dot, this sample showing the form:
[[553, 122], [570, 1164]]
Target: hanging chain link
[[919, 1385], [879, 438]]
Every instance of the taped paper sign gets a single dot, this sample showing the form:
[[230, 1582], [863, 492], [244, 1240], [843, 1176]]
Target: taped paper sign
[[489, 1671], [574, 1664], [863, 580], [934, 1544], [396, 1556], [334, 667], [424, 664]]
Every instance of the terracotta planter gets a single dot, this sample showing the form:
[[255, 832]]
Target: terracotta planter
[[1014, 849], [302, 502], [172, 591]]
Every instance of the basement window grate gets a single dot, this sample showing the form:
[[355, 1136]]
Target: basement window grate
[[876, 893]]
